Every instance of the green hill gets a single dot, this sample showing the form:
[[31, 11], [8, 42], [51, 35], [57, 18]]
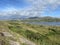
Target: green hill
[[42, 19]]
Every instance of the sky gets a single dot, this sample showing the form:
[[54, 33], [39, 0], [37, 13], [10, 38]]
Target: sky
[[30, 7]]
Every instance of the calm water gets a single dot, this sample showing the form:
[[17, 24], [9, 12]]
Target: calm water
[[46, 23]]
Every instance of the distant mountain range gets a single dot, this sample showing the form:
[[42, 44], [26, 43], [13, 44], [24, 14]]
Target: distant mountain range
[[12, 17], [28, 18], [43, 19]]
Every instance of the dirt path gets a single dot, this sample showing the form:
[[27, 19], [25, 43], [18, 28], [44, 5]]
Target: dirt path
[[28, 42]]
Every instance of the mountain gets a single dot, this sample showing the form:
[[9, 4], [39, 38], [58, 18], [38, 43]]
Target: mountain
[[33, 17], [12, 17], [28, 18], [43, 19]]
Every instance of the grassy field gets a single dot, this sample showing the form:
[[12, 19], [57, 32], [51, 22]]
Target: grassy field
[[40, 34]]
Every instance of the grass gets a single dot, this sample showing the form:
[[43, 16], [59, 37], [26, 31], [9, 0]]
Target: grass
[[42, 35], [5, 39]]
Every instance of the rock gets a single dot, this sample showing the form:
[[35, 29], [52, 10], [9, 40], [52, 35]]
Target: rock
[[14, 42], [7, 34], [28, 42], [1, 34]]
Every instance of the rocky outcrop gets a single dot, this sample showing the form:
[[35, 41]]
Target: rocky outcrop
[[14, 42], [5, 35]]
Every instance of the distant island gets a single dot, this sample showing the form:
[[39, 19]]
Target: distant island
[[42, 19]]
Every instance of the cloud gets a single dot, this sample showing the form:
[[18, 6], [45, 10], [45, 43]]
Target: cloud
[[37, 8]]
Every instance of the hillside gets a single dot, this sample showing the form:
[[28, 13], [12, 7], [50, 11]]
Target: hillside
[[42, 19], [19, 33]]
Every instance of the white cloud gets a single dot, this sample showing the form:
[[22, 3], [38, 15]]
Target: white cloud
[[37, 8]]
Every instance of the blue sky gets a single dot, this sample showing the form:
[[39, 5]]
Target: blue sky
[[13, 3], [30, 7]]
